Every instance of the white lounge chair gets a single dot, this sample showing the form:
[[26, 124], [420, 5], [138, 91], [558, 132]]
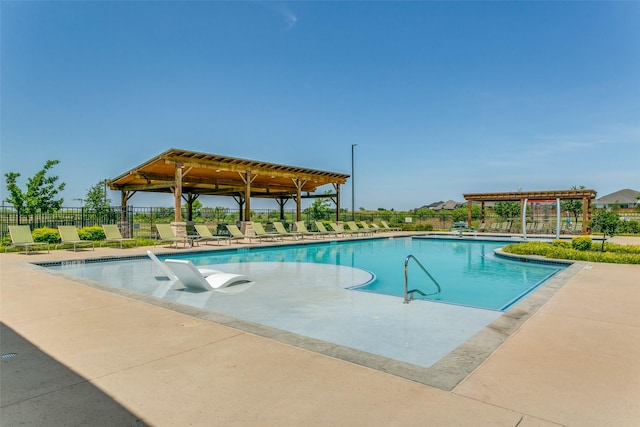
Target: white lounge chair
[[205, 272], [190, 277]]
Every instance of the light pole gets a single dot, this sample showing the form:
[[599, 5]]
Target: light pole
[[353, 186]]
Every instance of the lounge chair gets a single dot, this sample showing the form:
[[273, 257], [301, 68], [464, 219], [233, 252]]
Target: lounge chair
[[205, 235], [323, 230], [369, 229], [21, 238], [112, 234], [166, 271], [69, 236], [167, 235], [262, 234], [190, 277], [283, 231], [386, 226], [352, 227], [302, 229], [236, 234], [335, 227]]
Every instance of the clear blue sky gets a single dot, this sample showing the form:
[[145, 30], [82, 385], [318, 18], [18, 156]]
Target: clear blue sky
[[442, 98]]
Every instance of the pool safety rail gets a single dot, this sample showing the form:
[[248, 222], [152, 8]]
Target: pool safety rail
[[408, 294]]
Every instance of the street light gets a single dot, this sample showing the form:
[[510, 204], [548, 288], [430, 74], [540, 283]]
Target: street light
[[353, 186]]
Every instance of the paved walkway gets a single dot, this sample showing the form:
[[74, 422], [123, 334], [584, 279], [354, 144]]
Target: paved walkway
[[89, 357]]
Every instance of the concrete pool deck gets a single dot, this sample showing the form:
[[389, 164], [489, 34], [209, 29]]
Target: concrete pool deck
[[87, 356]]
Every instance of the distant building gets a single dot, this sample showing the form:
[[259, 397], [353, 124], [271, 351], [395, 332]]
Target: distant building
[[623, 199], [449, 205]]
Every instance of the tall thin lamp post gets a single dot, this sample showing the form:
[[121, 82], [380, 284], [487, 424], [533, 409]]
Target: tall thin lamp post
[[353, 186]]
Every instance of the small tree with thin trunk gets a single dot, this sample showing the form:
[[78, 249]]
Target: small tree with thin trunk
[[607, 223], [40, 194]]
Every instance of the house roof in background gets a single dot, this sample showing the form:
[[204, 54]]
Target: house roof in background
[[626, 196]]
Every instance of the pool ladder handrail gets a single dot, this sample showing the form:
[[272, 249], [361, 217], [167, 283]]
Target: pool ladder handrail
[[408, 294]]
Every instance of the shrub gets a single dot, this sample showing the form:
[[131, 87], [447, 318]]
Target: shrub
[[46, 235], [91, 233], [631, 227], [581, 243], [620, 254], [561, 243]]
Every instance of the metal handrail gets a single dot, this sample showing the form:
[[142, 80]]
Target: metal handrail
[[408, 294]]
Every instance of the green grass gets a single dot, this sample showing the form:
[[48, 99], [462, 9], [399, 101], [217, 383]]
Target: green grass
[[617, 254]]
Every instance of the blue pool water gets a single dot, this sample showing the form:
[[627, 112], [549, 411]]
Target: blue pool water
[[468, 272]]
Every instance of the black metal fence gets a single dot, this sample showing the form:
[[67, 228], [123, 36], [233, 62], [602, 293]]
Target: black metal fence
[[140, 221]]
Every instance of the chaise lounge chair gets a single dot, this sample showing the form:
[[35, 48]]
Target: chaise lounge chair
[[21, 237], [323, 230], [236, 234], [166, 271], [167, 235], [262, 234], [112, 234], [371, 229], [386, 226], [69, 236], [190, 277], [205, 234], [353, 227], [283, 231], [301, 228]]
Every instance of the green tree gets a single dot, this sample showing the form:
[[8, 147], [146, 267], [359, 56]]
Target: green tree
[[605, 222], [319, 209], [40, 194], [507, 210], [573, 206], [96, 198]]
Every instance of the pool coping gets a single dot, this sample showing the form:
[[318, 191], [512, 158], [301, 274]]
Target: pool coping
[[445, 374]]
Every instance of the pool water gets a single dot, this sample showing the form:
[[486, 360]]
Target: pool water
[[468, 272]]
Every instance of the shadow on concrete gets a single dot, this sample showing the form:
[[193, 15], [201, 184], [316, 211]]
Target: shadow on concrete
[[35, 389]]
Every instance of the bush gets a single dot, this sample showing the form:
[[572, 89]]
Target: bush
[[561, 243], [620, 254], [631, 227], [91, 233], [46, 235], [581, 243]]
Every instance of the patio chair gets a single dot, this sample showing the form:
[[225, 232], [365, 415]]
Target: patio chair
[[205, 235], [302, 228], [261, 233], [236, 234], [368, 228], [167, 235], [21, 238], [168, 273], [283, 231], [190, 277], [112, 234], [386, 226], [352, 227], [69, 236], [323, 230]]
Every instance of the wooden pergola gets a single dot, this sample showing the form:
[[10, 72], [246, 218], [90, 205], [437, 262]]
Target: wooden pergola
[[586, 195], [188, 175]]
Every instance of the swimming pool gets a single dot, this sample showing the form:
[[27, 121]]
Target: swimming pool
[[469, 273], [306, 292]]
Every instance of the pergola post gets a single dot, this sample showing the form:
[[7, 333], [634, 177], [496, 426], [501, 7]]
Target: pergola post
[[469, 203], [298, 182], [281, 202], [337, 201], [586, 215], [177, 193]]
